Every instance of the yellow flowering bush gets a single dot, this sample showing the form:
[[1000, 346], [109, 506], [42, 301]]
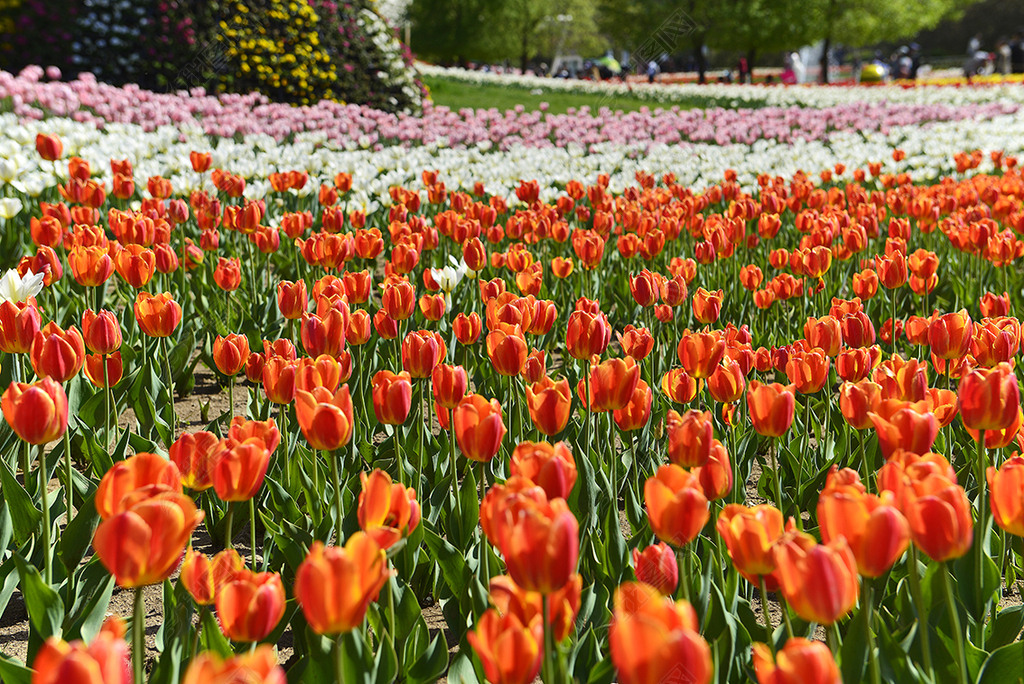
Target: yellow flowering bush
[[274, 47]]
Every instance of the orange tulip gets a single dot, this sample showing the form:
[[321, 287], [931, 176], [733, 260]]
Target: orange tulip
[[676, 505], [679, 386], [904, 380], [644, 288], [636, 342], [819, 581], [635, 414], [950, 335], [728, 382], [824, 333], [715, 476], [37, 412], [292, 299], [264, 430], [326, 420], [612, 384], [550, 467], [808, 370], [135, 264], [653, 639], [325, 334], [857, 400], [93, 368], [989, 398], [510, 652], [422, 350], [876, 531], [19, 323], [392, 396], [771, 408], [335, 585], [858, 330], [203, 577], [563, 605], [853, 365], [230, 353], [707, 305], [193, 454], [892, 269], [57, 353], [323, 371], [134, 479], [587, 334], [690, 436], [657, 566], [904, 425], [91, 266], [1006, 487], [798, 662], [388, 511], [49, 147], [101, 332], [995, 340], [228, 274], [239, 469], [479, 428], [104, 661], [550, 404], [467, 329], [449, 384], [501, 504], [256, 667], [143, 544], [700, 353], [939, 515], [507, 349], [540, 543], [279, 380], [535, 366], [750, 535], [157, 315], [250, 605], [399, 299]]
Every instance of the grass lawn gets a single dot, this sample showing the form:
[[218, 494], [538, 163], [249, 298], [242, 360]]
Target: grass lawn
[[455, 95]]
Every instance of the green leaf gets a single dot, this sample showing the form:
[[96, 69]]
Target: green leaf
[[431, 663], [43, 603], [212, 638], [1005, 627], [854, 653], [451, 562], [1004, 665], [25, 517], [469, 504], [463, 670], [78, 534], [13, 672], [94, 590]]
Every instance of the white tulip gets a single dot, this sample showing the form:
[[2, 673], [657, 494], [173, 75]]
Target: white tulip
[[10, 207], [15, 288]]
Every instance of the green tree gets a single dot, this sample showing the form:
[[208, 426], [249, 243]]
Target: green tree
[[453, 30], [648, 29], [864, 22], [758, 26]]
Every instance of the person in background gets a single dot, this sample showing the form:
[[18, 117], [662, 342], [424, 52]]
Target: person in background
[[915, 60], [1017, 53], [744, 71], [1003, 56], [652, 71]]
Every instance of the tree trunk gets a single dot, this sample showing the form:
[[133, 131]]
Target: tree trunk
[[751, 54], [824, 59]]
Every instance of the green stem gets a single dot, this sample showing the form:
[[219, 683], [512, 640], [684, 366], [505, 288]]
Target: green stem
[[832, 633], [231, 399], [229, 518], [252, 531], [106, 402], [954, 621], [764, 612], [392, 619], [922, 613], [339, 512], [398, 454], [339, 659], [45, 500], [423, 445], [199, 630], [866, 612], [170, 390], [775, 475], [683, 565], [139, 638], [484, 561], [454, 464], [547, 674], [982, 538]]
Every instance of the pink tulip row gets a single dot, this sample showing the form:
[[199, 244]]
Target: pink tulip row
[[87, 100]]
